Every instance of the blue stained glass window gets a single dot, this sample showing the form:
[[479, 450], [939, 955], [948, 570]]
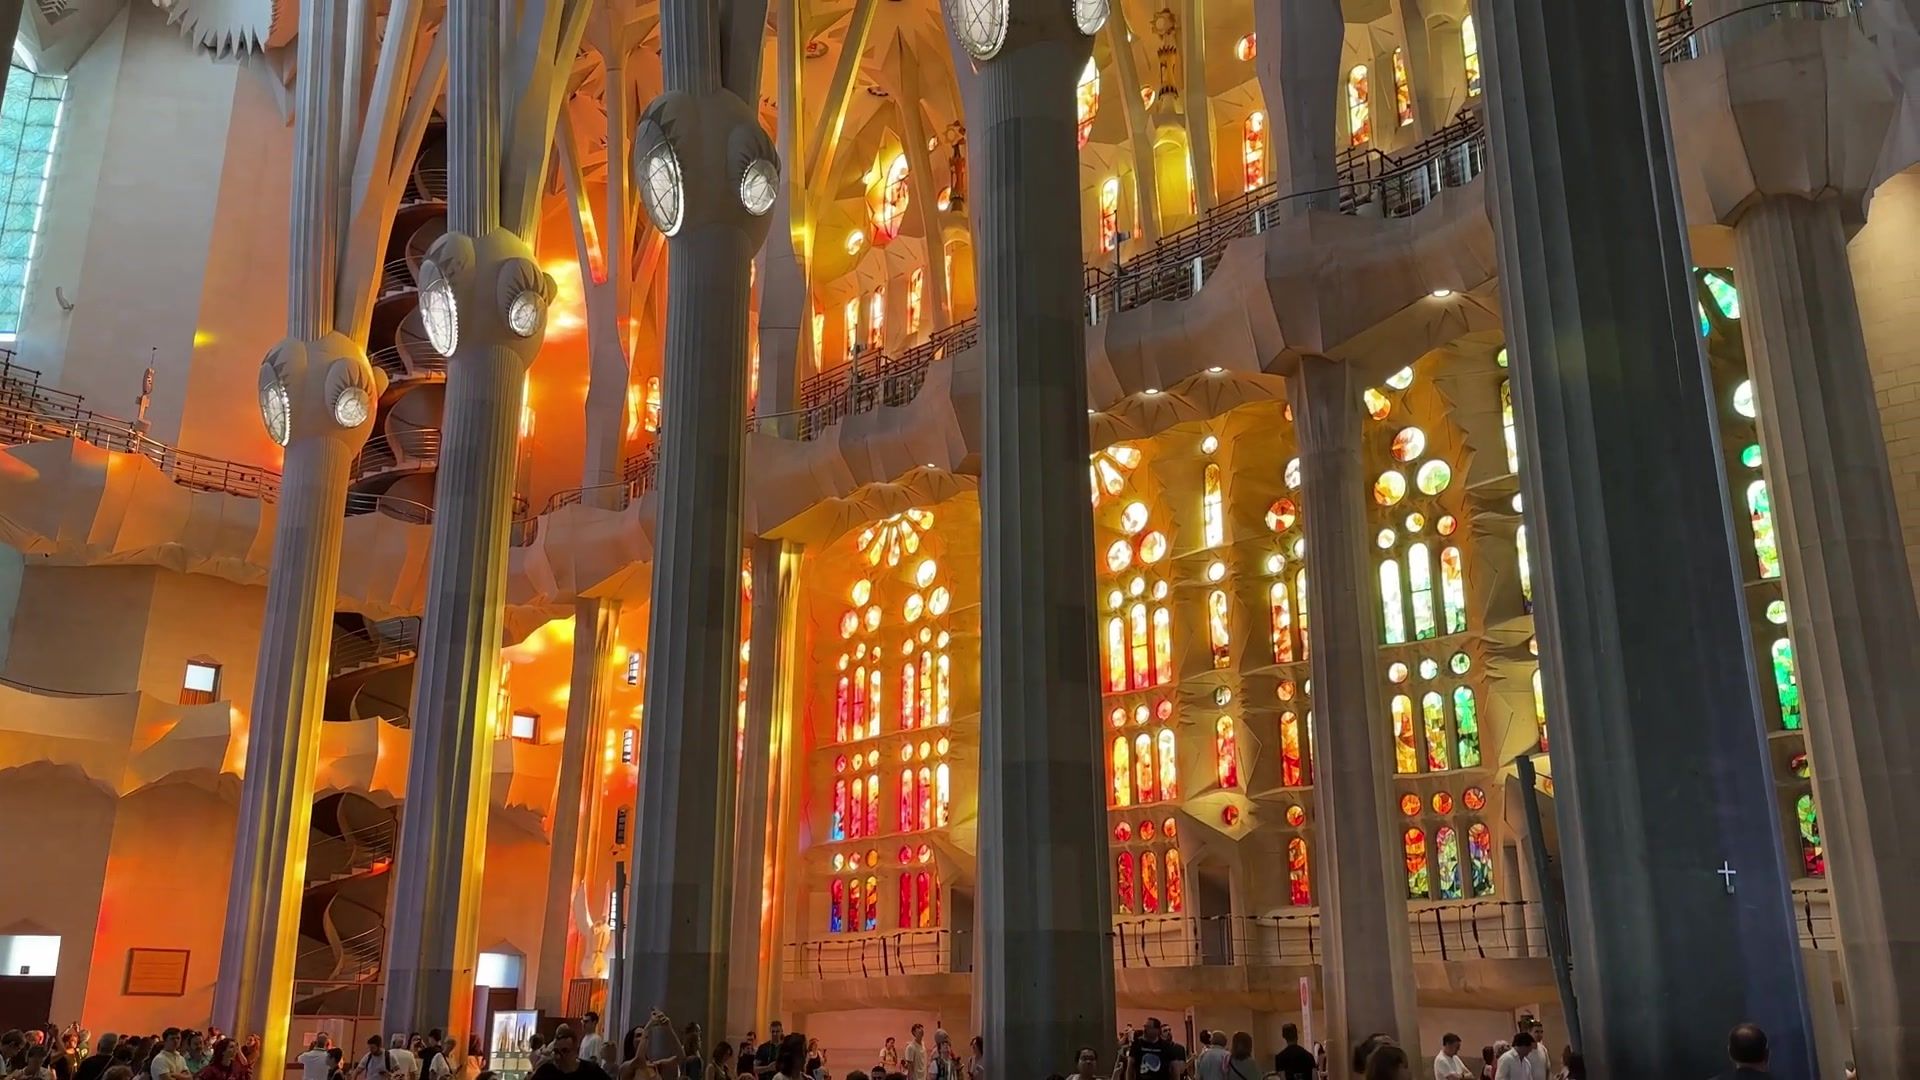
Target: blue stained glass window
[[29, 122]]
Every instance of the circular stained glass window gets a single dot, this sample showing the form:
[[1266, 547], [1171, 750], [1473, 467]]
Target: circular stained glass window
[[1409, 443], [1474, 798], [1147, 829], [1300, 547], [1459, 662], [1743, 400], [276, 410], [1416, 521], [1118, 718], [1139, 714], [1115, 598], [1390, 488], [1396, 672], [1429, 668], [1442, 802], [1119, 556], [924, 574], [1777, 612], [840, 763], [873, 617], [1376, 402], [1153, 547], [1164, 708], [862, 592], [906, 855], [1446, 525], [1750, 457], [1410, 804], [981, 25], [1296, 816], [853, 861], [1169, 828], [758, 184], [924, 854], [1282, 514], [1230, 815], [1433, 477], [1384, 539], [940, 600], [1293, 474], [1276, 562], [1221, 696], [1209, 444], [1137, 587], [839, 861], [1123, 832], [1216, 571], [1401, 379], [1133, 518], [1287, 689], [660, 188], [1159, 590], [916, 606], [849, 623], [1500, 357]]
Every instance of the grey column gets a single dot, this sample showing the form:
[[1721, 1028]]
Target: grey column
[[1044, 982], [1146, 193], [1366, 968], [1198, 103], [1659, 761], [1299, 67], [1856, 633], [913, 127], [754, 964], [308, 371], [576, 794]]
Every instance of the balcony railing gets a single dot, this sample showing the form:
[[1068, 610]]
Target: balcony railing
[[383, 453], [424, 186], [1678, 34], [376, 643], [397, 277]]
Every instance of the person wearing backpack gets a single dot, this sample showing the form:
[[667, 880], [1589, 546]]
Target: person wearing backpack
[[378, 1064]]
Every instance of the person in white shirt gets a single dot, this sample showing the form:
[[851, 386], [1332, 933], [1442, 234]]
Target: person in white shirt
[[1525, 1061], [593, 1047], [1212, 1062], [1447, 1064], [405, 1065], [314, 1064], [916, 1058], [169, 1063]]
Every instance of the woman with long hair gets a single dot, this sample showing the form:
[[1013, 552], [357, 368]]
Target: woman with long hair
[[225, 1063], [1389, 1062]]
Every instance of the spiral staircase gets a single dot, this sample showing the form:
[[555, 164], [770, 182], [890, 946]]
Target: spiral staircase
[[338, 966]]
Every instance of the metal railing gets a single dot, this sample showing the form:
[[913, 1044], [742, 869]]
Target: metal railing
[[399, 366], [359, 850], [376, 643], [397, 277], [637, 476], [396, 448], [424, 186], [1677, 34]]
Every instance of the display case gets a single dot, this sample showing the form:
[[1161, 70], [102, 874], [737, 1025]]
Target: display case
[[507, 1051]]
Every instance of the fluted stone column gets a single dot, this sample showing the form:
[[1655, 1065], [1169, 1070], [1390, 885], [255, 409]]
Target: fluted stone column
[[1299, 67], [913, 128], [753, 981], [1856, 632], [484, 273], [311, 382], [1044, 981], [1677, 888], [682, 891], [1146, 194], [1198, 104], [576, 794], [1366, 968]]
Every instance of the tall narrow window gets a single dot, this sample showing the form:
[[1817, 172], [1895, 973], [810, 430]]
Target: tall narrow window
[[839, 829], [1213, 511], [873, 702], [916, 298], [942, 689], [873, 804], [1466, 726], [860, 702], [1359, 107], [927, 712], [1480, 859], [1766, 549], [1086, 94], [1140, 648], [906, 901], [1420, 585], [836, 920], [1293, 771], [877, 321], [873, 904], [1446, 854], [1120, 766], [1280, 623], [1143, 769], [650, 415], [925, 784], [1413, 844], [1162, 646], [909, 802], [1406, 753], [1300, 609], [1123, 881], [1506, 426], [1109, 213], [819, 339], [1218, 628], [1433, 716], [1539, 710], [1116, 654], [1226, 753], [1453, 590], [850, 317], [1786, 683], [1470, 55], [1526, 567], [1253, 150], [1393, 619], [1169, 766], [942, 795], [857, 810], [1813, 851], [1149, 882], [1299, 881], [1176, 883], [29, 123], [909, 681], [928, 900], [1402, 89]]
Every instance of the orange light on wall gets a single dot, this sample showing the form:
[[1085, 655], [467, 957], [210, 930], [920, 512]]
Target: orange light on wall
[[1246, 48], [633, 411], [887, 197], [916, 293], [1253, 149], [526, 407], [590, 231], [1087, 100], [651, 414]]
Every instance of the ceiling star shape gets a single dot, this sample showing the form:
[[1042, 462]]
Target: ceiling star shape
[[233, 29]]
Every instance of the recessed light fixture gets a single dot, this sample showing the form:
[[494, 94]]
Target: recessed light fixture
[[931, 465], [1215, 370], [1442, 294], [1151, 390]]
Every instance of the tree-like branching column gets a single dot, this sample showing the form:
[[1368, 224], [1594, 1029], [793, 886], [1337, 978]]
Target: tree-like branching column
[[317, 394], [708, 175]]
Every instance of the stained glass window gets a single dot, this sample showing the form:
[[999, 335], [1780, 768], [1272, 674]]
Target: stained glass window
[[1813, 851], [909, 695], [1140, 648], [1116, 654], [942, 795], [1359, 107], [1406, 756], [877, 320], [819, 338], [1109, 213], [1120, 766], [1169, 766], [916, 297], [1433, 715], [1766, 549], [1470, 55], [1299, 883], [906, 902], [1539, 710], [1280, 622], [1162, 646], [836, 921], [1453, 590], [1213, 509], [1414, 845], [872, 827], [1786, 683], [1143, 769], [843, 710], [887, 196], [923, 785], [1466, 725], [873, 700], [1217, 628], [1300, 606], [855, 909], [1480, 859], [1086, 95], [1253, 150], [872, 921], [1506, 426], [1149, 882], [1402, 88], [1446, 854], [1420, 585], [909, 802], [928, 900], [1123, 881], [1393, 620], [29, 124], [650, 417], [1526, 568], [1725, 296], [850, 325], [1176, 883], [1292, 767], [840, 807], [857, 815], [1226, 753]]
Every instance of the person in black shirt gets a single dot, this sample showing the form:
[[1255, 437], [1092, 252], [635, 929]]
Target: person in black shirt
[[1154, 1055], [764, 1055], [94, 1066], [1296, 1061], [566, 1063]]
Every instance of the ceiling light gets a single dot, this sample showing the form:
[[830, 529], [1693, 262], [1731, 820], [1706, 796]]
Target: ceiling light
[[1442, 294]]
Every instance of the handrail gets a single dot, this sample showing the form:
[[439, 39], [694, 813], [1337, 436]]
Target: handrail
[[1676, 34], [395, 448], [397, 277], [408, 365], [426, 185], [388, 639]]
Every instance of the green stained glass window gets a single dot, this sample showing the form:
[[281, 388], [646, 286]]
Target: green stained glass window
[[29, 122], [1446, 846], [1766, 549], [1466, 722], [1750, 457], [1725, 296], [1786, 683], [1813, 851], [1706, 326]]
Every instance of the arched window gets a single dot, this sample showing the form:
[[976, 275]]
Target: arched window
[[1086, 95], [1766, 549], [1470, 55], [836, 921], [916, 298], [1139, 674], [1169, 766], [1420, 585], [929, 899], [1176, 883], [1116, 654], [1393, 621], [1480, 859], [887, 197], [909, 679], [1813, 851], [873, 904], [860, 702], [1506, 426], [925, 784], [1120, 770], [1149, 882], [942, 690], [1453, 590], [873, 805], [650, 418], [1466, 726], [1414, 845], [1213, 510], [850, 323], [1359, 107], [909, 801], [856, 910], [906, 901], [1406, 755], [1292, 768], [928, 710], [1162, 646], [1433, 715], [1300, 611], [1109, 213], [877, 320], [839, 830], [1526, 567], [1299, 880], [1786, 683], [1218, 628], [873, 703], [1143, 789], [1539, 710], [1226, 753], [819, 339], [1446, 854], [1123, 881], [1280, 623], [942, 795], [857, 812], [1402, 89], [1253, 150], [843, 710]]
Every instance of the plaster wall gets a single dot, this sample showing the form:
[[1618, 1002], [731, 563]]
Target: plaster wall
[[1886, 276], [57, 827]]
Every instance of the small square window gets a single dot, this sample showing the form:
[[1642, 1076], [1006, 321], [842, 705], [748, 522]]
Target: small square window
[[627, 740], [525, 726], [201, 683], [633, 669]]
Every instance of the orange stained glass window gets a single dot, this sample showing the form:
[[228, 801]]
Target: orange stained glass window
[[873, 703], [1120, 771], [942, 689], [1162, 646], [1149, 882], [906, 901], [1453, 590], [854, 907], [1123, 881], [1116, 654], [1086, 95], [1292, 769], [1226, 753], [1143, 789], [1299, 881], [942, 795], [1218, 631], [1109, 213], [1402, 89], [1213, 510], [873, 903], [1140, 648], [819, 339], [1433, 715], [877, 320], [916, 298], [1176, 883], [1300, 613], [843, 710], [873, 805], [925, 783], [927, 903], [928, 698], [1169, 766], [850, 318], [908, 697], [650, 419], [1280, 621], [887, 197], [1359, 106], [1406, 754], [1253, 150], [839, 828], [909, 801], [1414, 846], [857, 815]]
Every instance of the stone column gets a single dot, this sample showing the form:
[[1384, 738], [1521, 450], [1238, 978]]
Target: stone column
[[1199, 104], [1044, 980], [913, 127], [576, 793], [1299, 67], [484, 276], [754, 965], [1429, 108], [317, 392], [1366, 968], [1146, 193], [1677, 888], [1856, 632], [682, 891]]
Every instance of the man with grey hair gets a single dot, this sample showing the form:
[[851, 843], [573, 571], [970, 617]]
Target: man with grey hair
[[94, 1065]]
